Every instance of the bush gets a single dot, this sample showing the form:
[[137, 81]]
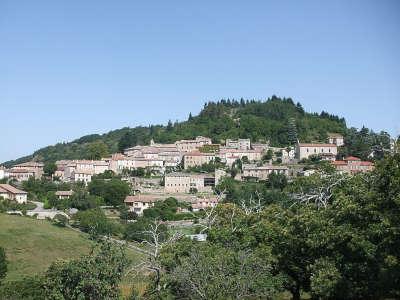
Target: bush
[[27, 288], [60, 220], [95, 222]]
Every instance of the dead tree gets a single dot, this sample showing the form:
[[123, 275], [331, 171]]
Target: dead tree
[[320, 195], [252, 205], [155, 242]]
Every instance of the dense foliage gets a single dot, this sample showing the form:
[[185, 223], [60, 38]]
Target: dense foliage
[[281, 121], [95, 222], [113, 191], [343, 248], [96, 276]]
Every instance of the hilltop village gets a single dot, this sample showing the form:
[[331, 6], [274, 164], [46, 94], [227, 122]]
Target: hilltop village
[[189, 170]]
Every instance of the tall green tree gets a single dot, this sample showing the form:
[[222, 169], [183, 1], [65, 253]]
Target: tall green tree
[[97, 150], [95, 276], [50, 168], [112, 191]]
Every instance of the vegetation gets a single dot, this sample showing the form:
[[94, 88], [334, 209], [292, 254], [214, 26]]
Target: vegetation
[[337, 239], [32, 245], [95, 222], [6, 205], [3, 264], [94, 276], [280, 121], [38, 188], [113, 191]]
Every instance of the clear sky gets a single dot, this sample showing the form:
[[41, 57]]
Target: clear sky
[[70, 68]]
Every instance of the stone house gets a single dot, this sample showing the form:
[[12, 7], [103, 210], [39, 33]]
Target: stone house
[[336, 138], [197, 158], [9, 192], [21, 174], [262, 172], [305, 150], [31, 166], [138, 203], [243, 144], [192, 145], [61, 195], [353, 165], [178, 182]]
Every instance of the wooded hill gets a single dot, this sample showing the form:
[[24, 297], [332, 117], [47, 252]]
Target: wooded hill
[[279, 120]]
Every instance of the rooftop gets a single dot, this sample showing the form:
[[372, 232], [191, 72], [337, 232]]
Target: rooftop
[[10, 189], [64, 193], [30, 164], [316, 145], [335, 135], [263, 167], [352, 158]]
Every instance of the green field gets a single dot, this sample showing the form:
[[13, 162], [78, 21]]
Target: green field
[[32, 245]]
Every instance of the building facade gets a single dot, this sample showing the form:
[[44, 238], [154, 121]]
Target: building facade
[[243, 144], [305, 150], [178, 182], [9, 192], [262, 172], [197, 158], [353, 165], [336, 138]]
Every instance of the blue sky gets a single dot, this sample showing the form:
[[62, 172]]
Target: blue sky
[[70, 68]]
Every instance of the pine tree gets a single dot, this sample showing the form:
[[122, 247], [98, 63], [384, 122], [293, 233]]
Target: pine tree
[[292, 131]]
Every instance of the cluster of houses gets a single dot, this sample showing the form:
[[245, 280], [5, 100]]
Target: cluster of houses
[[174, 162]]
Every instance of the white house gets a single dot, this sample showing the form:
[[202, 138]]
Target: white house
[[335, 138], [138, 203], [304, 150], [9, 192]]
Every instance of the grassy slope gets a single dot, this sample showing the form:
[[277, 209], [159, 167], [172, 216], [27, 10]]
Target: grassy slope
[[32, 245]]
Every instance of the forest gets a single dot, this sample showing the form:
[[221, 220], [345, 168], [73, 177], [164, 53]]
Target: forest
[[280, 121]]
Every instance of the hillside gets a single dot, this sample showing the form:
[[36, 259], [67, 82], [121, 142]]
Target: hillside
[[278, 120], [32, 245]]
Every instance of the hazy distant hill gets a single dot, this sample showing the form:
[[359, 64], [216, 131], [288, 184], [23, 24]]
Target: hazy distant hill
[[278, 120]]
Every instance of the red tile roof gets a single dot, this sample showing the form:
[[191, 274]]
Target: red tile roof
[[11, 189], [352, 158]]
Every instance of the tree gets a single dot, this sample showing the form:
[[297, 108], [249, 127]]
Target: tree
[[97, 150], [268, 155], [95, 276], [112, 191], [27, 287], [211, 272], [292, 131], [129, 139], [95, 222], [126, 214], [277, 181], [3, 263], [50, 168]]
